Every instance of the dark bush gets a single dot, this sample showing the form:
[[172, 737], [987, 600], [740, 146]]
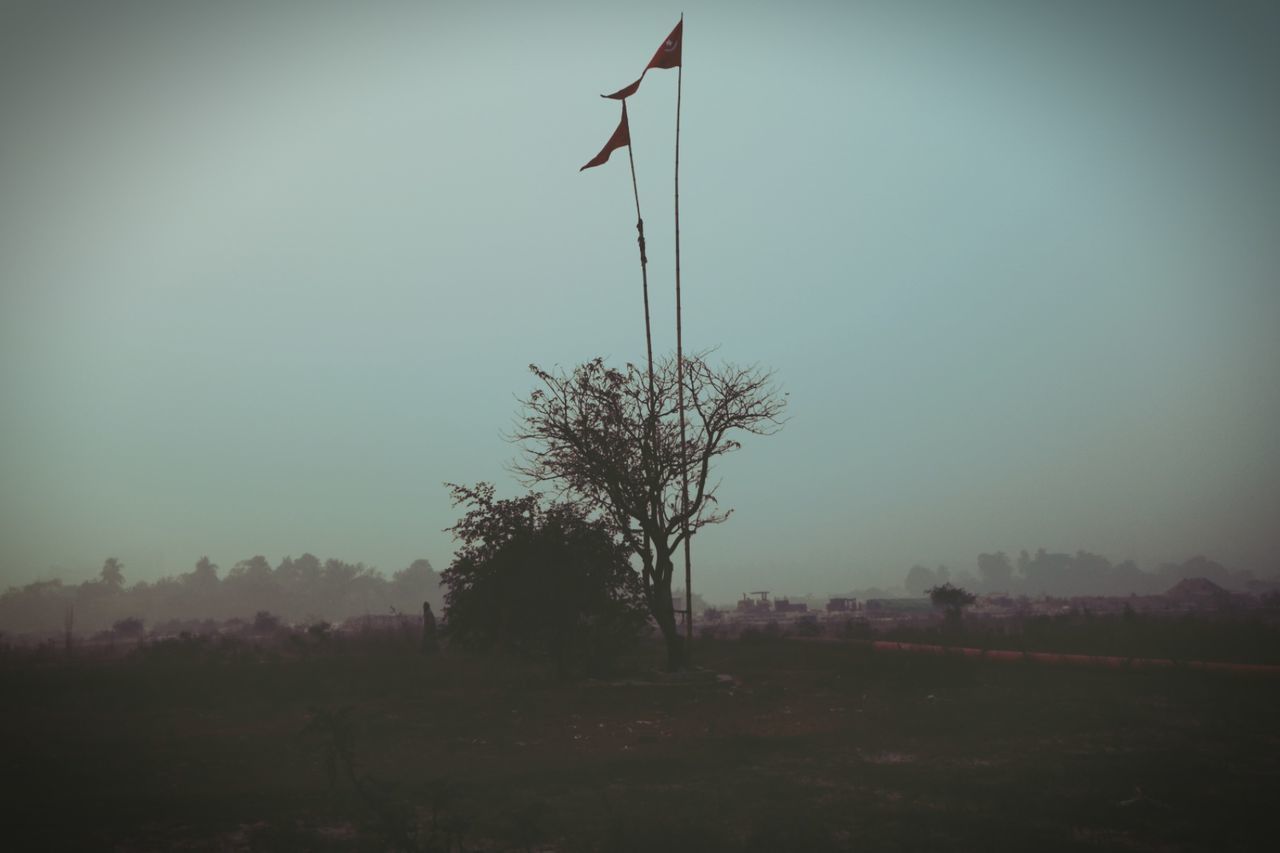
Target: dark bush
[[808, 626], [128, 628], [538, 580]]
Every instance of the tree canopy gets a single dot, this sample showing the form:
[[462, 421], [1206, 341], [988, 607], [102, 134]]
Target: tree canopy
[[952, 599], [611, 438]]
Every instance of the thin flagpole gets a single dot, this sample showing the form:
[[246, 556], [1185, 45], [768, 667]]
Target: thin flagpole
[[684, 450], [644, 278]]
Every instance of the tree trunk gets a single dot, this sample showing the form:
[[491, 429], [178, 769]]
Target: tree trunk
[[665, 616]]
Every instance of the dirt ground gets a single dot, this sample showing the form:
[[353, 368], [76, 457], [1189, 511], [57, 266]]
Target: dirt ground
[[770, 745]]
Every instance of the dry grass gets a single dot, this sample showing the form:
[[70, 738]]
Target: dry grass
[[807, 747]]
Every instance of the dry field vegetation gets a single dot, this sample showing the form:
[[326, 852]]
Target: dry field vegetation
[[771, 745]]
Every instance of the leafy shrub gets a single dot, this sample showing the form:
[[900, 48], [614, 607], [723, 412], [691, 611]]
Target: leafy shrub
[[550, 580], [128, 628]]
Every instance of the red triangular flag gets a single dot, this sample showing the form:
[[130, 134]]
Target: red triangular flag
[[621, 138], [667, 56]]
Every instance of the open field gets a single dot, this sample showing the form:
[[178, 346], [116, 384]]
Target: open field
[[198, 745]]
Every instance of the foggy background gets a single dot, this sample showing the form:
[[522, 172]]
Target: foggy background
[[269, 275]]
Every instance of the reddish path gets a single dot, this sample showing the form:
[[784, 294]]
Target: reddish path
[[1074, 660]]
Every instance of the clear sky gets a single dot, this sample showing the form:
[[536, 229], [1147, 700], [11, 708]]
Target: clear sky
[[271, 273]]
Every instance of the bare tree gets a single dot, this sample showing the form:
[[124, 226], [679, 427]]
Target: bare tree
[[610, 438]]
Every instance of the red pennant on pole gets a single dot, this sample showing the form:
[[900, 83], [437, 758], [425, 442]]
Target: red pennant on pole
[[667, 56], [620, 139]]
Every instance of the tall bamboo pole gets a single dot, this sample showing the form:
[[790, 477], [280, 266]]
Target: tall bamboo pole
[[644, 278], [684, 450], [644, 269]]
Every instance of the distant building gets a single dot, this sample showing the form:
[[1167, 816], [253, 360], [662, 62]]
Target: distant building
[[1202, 594], [380, 622], [1198, 591], [898, 606], [749, 605]]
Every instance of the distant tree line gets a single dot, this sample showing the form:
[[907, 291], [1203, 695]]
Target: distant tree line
[[1078, 574], [299, 589]]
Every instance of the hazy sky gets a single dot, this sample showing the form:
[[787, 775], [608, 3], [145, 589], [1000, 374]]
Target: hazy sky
[[271, 273]]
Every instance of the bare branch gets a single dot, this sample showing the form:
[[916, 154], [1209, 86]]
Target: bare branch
[[596, 435]]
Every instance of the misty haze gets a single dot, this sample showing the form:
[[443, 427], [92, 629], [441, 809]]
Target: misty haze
[[864, 441]]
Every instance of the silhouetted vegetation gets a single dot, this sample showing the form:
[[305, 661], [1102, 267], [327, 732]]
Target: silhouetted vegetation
[[130, 628], [302, 589], [952, 600], [1082, 573], [611, 438], [530, 578]]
